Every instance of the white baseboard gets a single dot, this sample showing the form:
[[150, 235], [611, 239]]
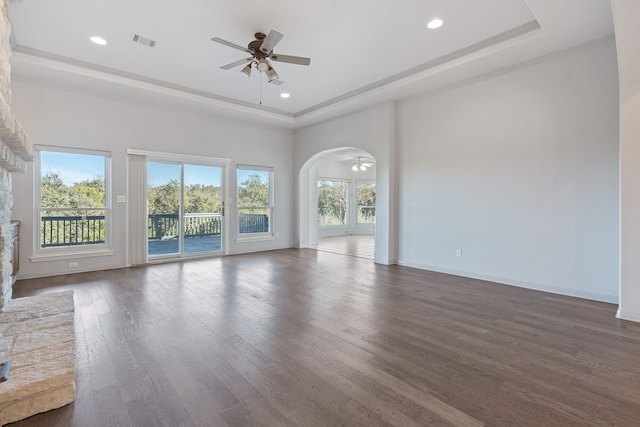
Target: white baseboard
[[614, 299], [628, 315], [383, 261]]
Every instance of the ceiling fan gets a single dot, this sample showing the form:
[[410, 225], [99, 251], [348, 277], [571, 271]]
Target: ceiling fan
[[359, 165], [261, 51]]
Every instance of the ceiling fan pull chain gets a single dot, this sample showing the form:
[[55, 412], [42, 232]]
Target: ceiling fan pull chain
[[260, 87]]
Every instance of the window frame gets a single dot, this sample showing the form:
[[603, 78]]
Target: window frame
[[71, 251], [263, 235]]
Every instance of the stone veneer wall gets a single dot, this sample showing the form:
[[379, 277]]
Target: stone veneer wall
[[15, 151], [36, 333]]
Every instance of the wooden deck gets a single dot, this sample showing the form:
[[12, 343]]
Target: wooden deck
[[313, 338], [191, 245]]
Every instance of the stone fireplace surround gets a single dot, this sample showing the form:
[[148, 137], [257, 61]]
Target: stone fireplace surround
[[36, 333], [15, 151]]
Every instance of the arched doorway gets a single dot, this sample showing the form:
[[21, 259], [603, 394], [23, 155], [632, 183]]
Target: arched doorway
[[342, 185], [320, 225], [371, 130]]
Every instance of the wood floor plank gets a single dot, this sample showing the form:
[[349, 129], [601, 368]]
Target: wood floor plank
[[426, 400], [259, 406], [238, 416], [194, 397], [308, 338], [381, 408], [111, 411]]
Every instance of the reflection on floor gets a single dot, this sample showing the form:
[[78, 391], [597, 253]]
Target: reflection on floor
[[358, 245]]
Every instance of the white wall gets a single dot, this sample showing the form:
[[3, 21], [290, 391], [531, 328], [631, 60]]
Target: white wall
[[371, 130], [626, 15], [520, 172], [73, 117]]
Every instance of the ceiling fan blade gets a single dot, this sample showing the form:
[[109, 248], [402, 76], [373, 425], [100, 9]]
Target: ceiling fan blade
[[235, 64], [233, 45], [270, 41], [291, 59]]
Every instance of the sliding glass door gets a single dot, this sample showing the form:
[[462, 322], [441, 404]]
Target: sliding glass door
[[185, 209], [202, 209]]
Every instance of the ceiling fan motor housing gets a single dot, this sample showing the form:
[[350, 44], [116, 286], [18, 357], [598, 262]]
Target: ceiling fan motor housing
[[254, 47]]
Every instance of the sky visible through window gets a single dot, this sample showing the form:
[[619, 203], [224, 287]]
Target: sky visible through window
[[244, 174], [161, 173], [72, 167]]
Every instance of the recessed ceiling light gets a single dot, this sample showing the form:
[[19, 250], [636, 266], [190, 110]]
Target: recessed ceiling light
[[435, 23], [284, 95], [98, 40]]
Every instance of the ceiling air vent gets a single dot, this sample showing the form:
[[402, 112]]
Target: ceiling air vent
[[143, 40]]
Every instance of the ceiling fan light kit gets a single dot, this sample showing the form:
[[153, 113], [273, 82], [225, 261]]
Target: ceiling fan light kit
[[262, 64], [359, 165], [260, 50], [246, 70], [271, 73]]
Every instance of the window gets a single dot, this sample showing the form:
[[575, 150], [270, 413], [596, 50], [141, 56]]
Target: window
[[72, 191], [255, 200], [366, 202], [333, 205]]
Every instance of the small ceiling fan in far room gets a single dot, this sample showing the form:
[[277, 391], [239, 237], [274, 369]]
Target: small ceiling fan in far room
[[261, 51], [359, 165]]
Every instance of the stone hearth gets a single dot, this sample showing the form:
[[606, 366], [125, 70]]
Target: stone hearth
[[37, 338]]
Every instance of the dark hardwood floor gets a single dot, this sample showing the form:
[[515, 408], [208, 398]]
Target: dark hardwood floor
[[311, 338]]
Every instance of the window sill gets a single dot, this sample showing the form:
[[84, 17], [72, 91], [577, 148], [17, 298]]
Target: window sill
[[70, 255], [255, 238]]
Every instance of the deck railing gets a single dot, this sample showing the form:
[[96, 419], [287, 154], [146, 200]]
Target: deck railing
[[71, 230], [58, 231], [165, 226], [253, 223], [366, 214]]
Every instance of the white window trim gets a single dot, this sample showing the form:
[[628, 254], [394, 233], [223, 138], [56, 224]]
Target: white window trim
[[181, 158], [56, 253], [256, 237], [137, 190], [71, 255]]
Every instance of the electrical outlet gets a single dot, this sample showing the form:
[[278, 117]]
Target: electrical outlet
[[73, 265], [459, 252]]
